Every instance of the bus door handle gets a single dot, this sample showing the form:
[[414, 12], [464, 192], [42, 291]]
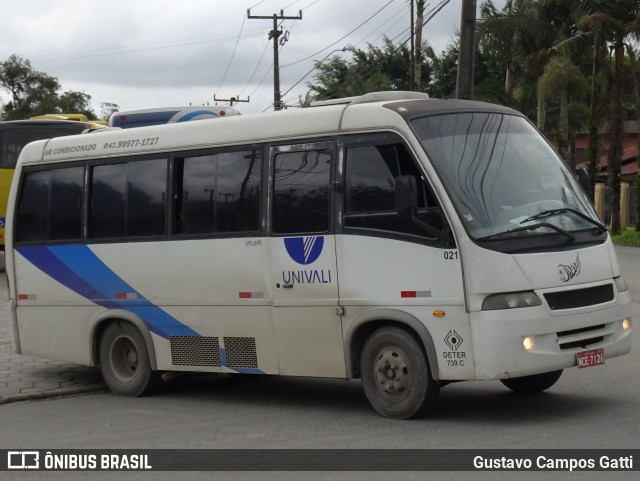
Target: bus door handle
[[284, 286]]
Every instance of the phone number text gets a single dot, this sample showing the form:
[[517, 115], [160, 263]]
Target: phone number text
[[127, 144]]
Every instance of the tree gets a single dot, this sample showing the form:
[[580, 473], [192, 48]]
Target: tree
[[417, 80], [612, 23], [523, 37], [371, 70], [532, 32], [444, 72], [634, 56], [37, 93], [32, 92], [75, 102], [559, 78], [107, 109]]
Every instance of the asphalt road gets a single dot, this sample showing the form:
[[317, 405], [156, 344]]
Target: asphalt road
[[595, 408]]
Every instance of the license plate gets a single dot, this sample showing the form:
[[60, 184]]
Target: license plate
[[595, 357]]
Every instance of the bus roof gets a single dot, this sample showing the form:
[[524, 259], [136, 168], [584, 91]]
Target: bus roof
[[77, 117], [369, 112]]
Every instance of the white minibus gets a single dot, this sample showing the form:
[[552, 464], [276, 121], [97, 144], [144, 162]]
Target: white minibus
[[403, 241]]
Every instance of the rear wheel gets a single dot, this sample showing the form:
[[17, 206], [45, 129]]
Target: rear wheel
[[124, 361], [533, 384], [395, 374]]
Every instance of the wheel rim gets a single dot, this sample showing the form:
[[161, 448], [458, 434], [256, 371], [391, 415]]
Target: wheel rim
[[124, 356], [391, 372]]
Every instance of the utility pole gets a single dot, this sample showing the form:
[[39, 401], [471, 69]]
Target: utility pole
[[231, 101], [412, 65], [274, 35], [464, 84]]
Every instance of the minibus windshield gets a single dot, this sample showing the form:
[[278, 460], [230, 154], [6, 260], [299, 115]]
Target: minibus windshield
[[504, 179]]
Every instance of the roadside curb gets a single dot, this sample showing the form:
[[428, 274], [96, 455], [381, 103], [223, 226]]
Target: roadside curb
[[71, 391]]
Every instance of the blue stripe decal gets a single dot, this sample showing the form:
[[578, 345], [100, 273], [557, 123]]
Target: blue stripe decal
[[144, 119], [197, 113], [43, 259], [241, 370], [79, 269]]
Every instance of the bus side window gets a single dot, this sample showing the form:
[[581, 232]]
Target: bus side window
[[219, 193], [128, 199], [369, 201], [301, 192]]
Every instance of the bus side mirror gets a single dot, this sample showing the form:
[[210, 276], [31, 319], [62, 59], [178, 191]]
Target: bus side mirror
[[407, 206], [582, 176]]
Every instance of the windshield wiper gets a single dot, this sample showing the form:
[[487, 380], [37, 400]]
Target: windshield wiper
[[531, 227], [554, 212]]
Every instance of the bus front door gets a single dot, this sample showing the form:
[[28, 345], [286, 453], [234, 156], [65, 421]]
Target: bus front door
[[306, 318]]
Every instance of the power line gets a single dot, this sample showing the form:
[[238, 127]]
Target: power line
[[256, 69], [340, 39], [290, 5], [96, 52], [377, 29], [274, 35], [224, 77], [430, 15], [314, 68], [259, 62]]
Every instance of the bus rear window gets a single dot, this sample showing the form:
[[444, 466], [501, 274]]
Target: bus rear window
[[50, 207]]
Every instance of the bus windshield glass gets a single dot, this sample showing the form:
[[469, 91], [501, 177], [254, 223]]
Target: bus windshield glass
[[504, 179]]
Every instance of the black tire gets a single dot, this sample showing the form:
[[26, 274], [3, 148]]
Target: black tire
[[395, 374], [533, 384], [124, 361]]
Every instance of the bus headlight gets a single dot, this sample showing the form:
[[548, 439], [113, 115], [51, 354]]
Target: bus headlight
[[527, 343], [626, 325], [511, 300]]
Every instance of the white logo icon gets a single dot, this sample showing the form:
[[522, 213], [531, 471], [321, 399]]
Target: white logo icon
[[23, 460]]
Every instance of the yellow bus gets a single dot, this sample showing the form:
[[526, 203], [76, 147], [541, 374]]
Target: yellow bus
[[15, 134]]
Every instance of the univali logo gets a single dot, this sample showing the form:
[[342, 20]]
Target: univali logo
[[304, 250]]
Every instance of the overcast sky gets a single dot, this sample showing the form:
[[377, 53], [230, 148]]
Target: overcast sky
[[157, 53]]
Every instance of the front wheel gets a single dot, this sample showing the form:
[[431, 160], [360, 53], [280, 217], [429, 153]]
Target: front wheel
[[124, 361], [533, 384], [395, 374]]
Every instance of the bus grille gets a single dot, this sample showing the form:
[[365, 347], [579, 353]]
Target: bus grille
[[241, 352], [581, 338], [195, 351], [579, 297]]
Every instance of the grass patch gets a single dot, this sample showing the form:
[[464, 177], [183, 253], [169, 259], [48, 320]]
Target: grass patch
[[628, 237]]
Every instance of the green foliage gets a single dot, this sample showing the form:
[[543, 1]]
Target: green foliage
[[107, 109], [75, 102], [36, 93], [372, 70], [445, 72], [627, 237]]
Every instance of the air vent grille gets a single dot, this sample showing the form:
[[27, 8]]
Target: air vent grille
[[195, 351], [579, 297], [241, 352]]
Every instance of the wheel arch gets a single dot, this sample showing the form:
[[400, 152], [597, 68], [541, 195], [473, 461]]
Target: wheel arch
[[368, 322], [100, 322]]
